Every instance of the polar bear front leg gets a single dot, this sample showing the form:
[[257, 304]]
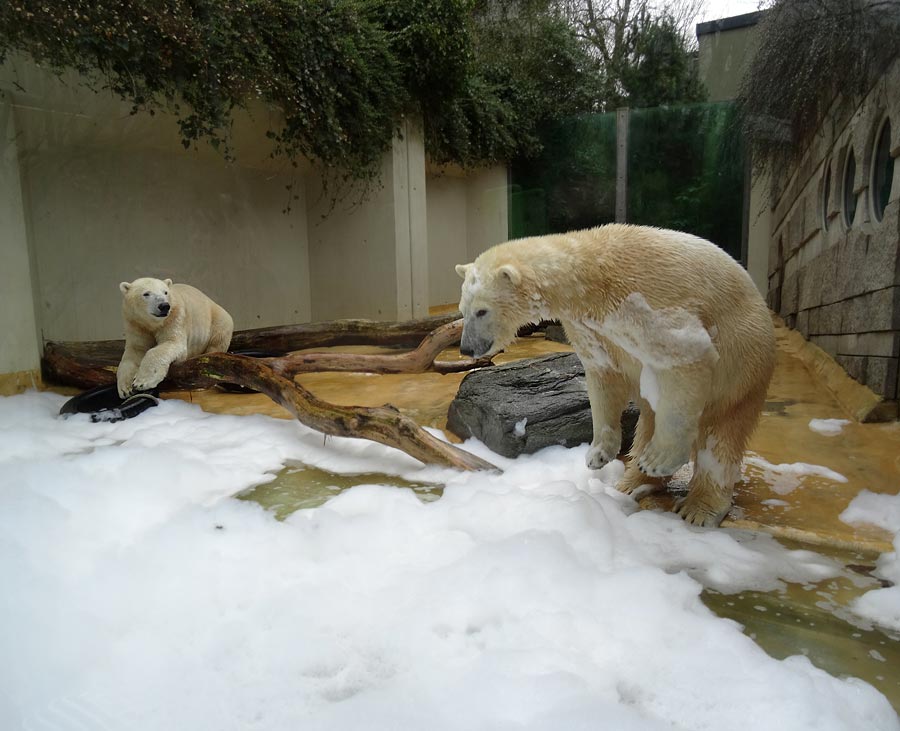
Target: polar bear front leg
[[608, 393], [682, 394], [128, 368], [156, 362], [137, 343]]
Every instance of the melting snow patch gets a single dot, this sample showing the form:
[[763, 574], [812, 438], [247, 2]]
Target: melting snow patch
[[882, 606], [662, 338], [138, 594], [519, 429], [650, 387], [787, 477], [828, 427]]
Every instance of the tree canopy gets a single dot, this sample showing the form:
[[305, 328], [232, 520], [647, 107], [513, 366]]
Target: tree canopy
[[484, 75], [811, 54]]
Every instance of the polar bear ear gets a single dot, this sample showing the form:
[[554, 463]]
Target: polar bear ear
[[124, 287], [511, 273], [461, 269], [168, 282]]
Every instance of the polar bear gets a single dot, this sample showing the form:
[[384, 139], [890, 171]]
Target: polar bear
[[659, 317], [166, 323]]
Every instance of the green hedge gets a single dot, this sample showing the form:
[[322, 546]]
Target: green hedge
[[343, 72]]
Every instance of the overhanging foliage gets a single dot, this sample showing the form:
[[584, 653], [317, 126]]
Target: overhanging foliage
[[342, 72], [811, 53]]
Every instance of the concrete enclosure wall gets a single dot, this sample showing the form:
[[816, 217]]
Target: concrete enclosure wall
[[833, 277], [18, 327], [91, 195], [467, 214], [724, 47]]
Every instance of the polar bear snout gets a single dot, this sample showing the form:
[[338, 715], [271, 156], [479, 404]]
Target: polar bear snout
[[473, 346], [162, 309]]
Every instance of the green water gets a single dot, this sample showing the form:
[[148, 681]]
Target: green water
[[299, 488], [813, 620]]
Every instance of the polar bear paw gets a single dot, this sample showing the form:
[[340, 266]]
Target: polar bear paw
[[148, 378], [701, 511], [604, 449], [125, 380], [661, 459]]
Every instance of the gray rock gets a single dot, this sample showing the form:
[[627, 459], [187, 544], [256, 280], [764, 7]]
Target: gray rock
[[525, 406]]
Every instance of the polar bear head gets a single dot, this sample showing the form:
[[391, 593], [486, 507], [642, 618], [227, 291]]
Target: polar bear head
[[147, 300], [495, 302]]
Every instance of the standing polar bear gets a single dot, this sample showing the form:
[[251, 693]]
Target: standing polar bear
[[166, 323], [659, 317]]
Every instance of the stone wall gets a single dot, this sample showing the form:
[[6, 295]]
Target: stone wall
[[834, 278]]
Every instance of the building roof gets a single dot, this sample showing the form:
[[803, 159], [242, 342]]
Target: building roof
[[732, 23]]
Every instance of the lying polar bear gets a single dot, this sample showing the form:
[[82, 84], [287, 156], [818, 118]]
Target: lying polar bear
[[166, 323], [659, 317]]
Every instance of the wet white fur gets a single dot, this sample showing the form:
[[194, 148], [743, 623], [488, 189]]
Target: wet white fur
[[660, 317], [194, 325]]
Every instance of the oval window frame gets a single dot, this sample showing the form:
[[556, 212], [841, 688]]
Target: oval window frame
[[849, 199], [883, 132]]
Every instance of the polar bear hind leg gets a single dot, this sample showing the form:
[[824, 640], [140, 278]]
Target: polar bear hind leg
[[682, 394], [633, 479], [719, 451]]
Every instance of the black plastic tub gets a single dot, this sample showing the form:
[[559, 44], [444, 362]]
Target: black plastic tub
[[103, 403]]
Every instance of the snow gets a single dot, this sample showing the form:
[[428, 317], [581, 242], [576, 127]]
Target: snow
[[721, 474], [519, 428], [786, 477], [663, 338], [828, 427], [882, 606], [138, 594], [649, 387]]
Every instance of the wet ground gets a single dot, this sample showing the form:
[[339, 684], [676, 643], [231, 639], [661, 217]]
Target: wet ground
[[800, 510]]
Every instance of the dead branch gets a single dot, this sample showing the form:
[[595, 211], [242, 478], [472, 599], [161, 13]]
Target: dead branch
[[384, 424]]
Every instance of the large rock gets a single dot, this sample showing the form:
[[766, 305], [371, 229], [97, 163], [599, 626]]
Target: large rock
[[525, 406]]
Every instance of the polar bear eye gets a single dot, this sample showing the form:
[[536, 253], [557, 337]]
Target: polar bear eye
[[146, 294], [481, 313]]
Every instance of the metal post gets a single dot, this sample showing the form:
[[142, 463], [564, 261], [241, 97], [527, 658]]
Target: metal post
[[621, 165]]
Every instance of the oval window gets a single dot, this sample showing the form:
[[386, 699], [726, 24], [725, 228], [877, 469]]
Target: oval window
[[826, 196], [849, 195], [882, 171]]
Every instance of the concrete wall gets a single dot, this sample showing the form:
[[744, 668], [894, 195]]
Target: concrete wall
[[369, 251], [487, 210], [91, 195], [447, 236], [839, 284], [724, 49], [19, 344], [468, 212], [110, 196]]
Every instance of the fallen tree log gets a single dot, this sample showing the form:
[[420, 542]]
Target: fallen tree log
[[383, 424], [420, 360], [90, 364]]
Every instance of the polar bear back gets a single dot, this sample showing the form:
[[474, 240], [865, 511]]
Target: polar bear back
[[201, 321]]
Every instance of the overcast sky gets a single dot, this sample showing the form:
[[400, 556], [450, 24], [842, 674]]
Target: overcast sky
[[716, 9]]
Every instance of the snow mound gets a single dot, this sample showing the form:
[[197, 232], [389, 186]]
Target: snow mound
[[139, 595]]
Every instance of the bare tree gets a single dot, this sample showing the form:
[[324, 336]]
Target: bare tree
[[614, 30]]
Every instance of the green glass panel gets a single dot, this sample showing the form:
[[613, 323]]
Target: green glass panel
[[572, 184], [686, 171]]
